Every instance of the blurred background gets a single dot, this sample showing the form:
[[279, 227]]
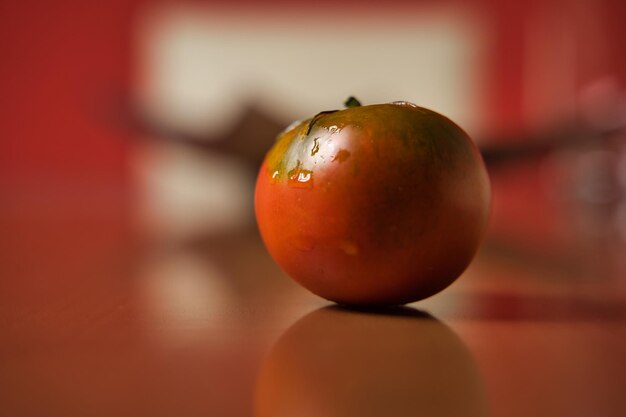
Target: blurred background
[[155, 115], [131, 133]]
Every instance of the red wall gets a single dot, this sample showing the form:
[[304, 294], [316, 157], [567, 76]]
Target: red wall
[[60, 59], [62, 62]]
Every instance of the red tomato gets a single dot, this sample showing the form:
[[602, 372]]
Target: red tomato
[[373, 205]]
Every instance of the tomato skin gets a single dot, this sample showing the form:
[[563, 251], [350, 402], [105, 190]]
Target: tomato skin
[[373, 205]]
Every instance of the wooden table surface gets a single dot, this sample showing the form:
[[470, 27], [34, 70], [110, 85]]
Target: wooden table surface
[[97, 322]]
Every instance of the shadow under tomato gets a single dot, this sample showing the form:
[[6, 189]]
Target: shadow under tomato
[[345, 362]]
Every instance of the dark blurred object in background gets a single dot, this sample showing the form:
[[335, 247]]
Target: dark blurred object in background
[[543, 80]]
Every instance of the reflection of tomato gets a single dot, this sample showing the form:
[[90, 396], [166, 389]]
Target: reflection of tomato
[[336, 362], [380, 204]]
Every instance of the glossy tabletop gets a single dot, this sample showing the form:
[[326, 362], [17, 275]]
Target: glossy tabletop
[[95, 321]]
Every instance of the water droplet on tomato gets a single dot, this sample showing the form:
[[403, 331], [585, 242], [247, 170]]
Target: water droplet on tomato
[[341, 156], [404, 103], [300, 178], [348, 247], [316, 147]]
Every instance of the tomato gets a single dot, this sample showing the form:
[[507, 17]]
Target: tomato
[[337, 362], [373, 205]]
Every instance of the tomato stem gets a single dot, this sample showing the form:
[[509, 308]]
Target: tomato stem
[[352, 102]]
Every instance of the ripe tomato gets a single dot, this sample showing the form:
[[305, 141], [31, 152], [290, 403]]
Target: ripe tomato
[[373, 205]]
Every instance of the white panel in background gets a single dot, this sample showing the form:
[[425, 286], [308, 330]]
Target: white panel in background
[[198, 66]]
